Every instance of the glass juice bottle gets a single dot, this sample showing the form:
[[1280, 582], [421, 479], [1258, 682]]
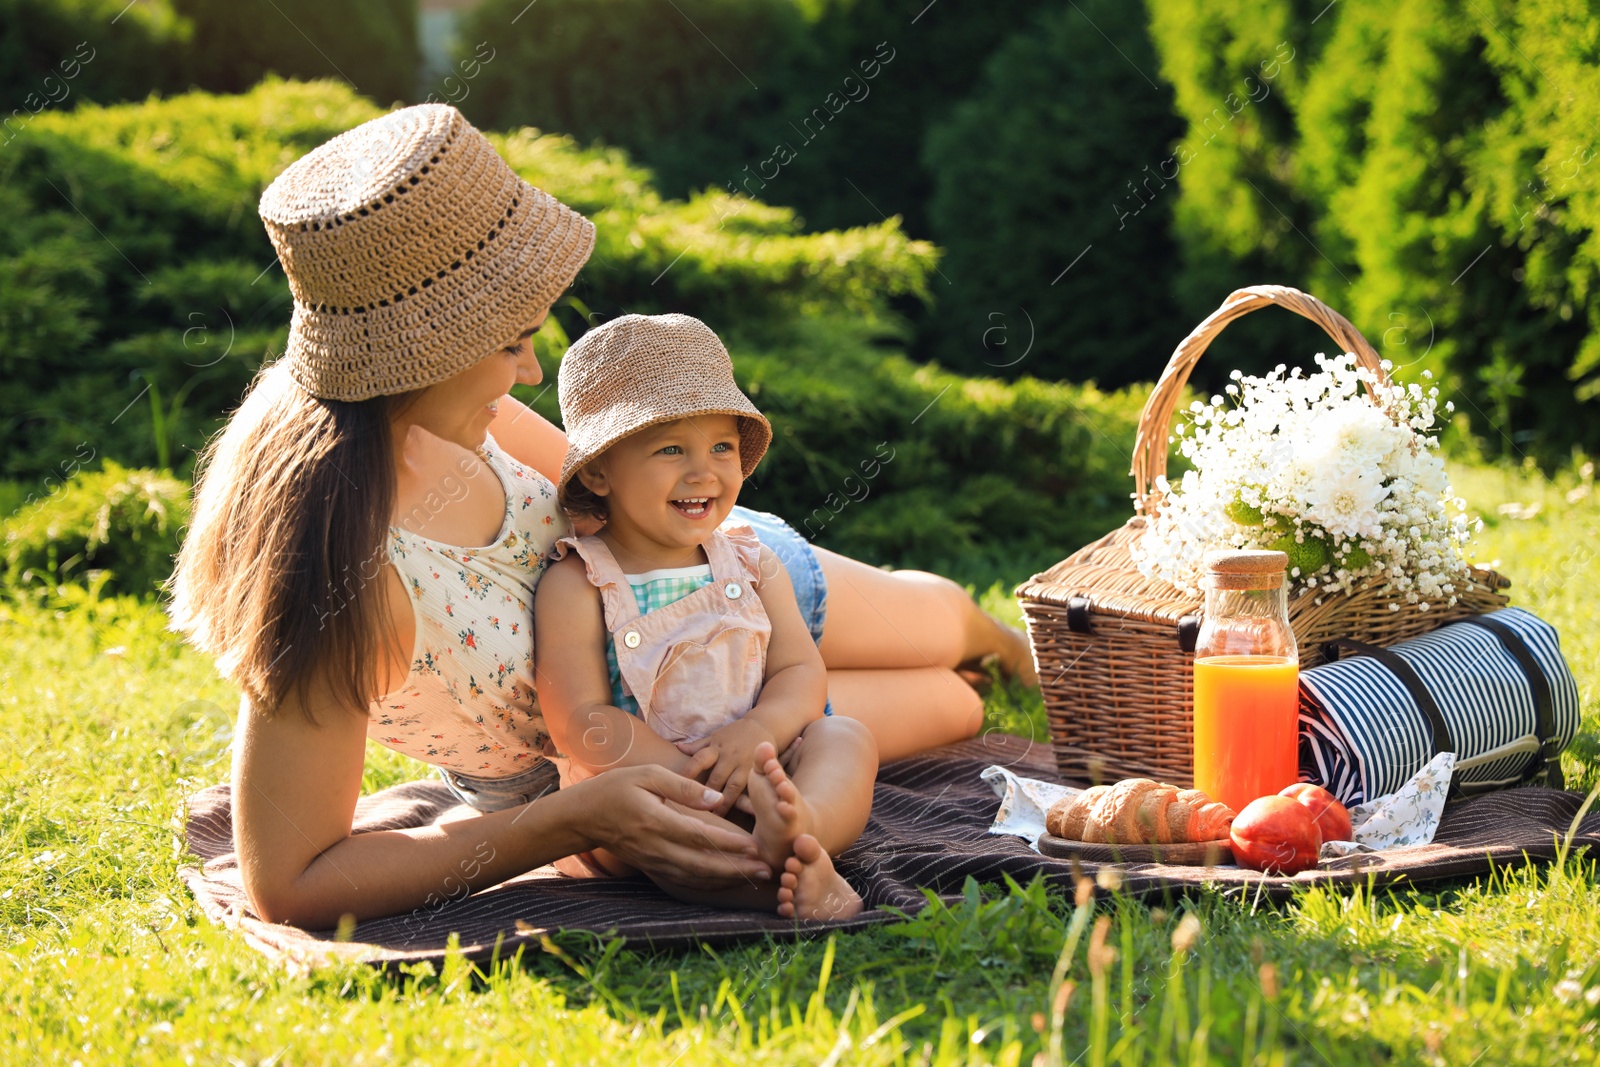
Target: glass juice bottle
[[1246, 680]]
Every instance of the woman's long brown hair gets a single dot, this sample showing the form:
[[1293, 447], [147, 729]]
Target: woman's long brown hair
[[279, 578]]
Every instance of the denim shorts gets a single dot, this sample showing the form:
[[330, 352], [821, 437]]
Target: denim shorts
[[805, 573], [795, 553], [810, 590], [497, 794]]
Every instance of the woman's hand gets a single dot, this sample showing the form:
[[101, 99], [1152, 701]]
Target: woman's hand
[[637, 813]]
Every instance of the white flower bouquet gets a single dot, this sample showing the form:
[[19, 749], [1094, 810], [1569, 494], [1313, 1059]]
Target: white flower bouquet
[[1351, 486]]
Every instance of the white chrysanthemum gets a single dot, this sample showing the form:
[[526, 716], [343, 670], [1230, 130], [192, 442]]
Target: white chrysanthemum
[[1427, 472], [1345, 503], [1357, 436]]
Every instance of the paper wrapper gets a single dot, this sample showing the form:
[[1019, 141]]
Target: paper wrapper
[[1023, 803]]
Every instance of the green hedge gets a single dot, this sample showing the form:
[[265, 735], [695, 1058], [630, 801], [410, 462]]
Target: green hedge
[[61, 53], [371, 43], [676, 84], [128, 331], [133, 258], [708, 92], [1046, 198], [137, 293], [903, 464]]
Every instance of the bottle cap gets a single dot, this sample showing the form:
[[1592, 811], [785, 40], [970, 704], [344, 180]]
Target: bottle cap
[[1245, 568]]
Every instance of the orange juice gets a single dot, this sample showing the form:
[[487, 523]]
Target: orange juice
[[1246, 741]]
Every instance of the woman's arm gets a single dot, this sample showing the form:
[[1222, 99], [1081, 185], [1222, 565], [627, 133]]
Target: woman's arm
[[295, 787], [574, 689], [529, 437]]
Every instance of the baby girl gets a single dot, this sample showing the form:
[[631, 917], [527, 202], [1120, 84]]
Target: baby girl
[[674, 637]]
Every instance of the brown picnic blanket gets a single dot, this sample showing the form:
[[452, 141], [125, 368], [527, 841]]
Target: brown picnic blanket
[[929, 828]]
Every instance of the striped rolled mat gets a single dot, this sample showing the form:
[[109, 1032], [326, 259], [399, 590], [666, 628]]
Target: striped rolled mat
[[1493, 689]]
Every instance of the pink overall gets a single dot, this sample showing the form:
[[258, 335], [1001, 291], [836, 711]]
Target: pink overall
[[696, 664]]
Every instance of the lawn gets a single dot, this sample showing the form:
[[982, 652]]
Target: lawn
[[107, 722]]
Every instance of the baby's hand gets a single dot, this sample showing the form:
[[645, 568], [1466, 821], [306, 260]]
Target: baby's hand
[[735, 747], [696, 762]]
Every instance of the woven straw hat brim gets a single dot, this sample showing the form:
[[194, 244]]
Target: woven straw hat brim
[[413, 251]]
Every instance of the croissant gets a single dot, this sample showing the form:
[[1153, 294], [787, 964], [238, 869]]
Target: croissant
[[1138, 811]]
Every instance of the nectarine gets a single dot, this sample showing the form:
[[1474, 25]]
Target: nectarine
[[1277, 835], [1333, 818]]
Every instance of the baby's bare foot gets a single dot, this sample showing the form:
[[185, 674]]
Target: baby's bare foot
[[782, 814], [810, 888]]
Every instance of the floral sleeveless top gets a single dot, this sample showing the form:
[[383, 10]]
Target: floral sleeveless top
[[468, 703]]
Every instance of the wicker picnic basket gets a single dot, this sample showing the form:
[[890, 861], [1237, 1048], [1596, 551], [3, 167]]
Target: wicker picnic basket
[[1115, 650]]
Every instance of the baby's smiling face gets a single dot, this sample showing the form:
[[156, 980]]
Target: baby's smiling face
[[673, 483]]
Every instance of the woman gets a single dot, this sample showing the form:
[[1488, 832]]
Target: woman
[[371, 525]]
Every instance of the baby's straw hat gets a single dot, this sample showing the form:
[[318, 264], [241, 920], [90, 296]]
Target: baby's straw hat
[[640, 370], [413, 251]]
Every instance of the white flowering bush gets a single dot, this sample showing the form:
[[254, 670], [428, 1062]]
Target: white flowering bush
[[1310, 466]]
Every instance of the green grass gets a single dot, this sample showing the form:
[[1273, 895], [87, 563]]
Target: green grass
[[107, 722]]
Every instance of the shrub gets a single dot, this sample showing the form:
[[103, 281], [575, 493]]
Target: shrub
[[107, 51], [676, 84], [60, 53], [1023, 472], [1425, 168], [903, 464], [909, 465], [938, 56], [370, 43], [117, 529], [728, 259], [1055, 157], [133, 260], [704, 91], [13, 495]]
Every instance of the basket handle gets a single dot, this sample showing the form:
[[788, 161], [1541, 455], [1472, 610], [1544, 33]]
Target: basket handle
[[1150, 446]]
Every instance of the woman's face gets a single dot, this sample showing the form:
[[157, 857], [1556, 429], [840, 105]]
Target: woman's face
[[460, 408]]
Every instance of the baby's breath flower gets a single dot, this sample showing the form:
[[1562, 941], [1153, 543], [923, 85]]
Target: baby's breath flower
[[1336, 465]]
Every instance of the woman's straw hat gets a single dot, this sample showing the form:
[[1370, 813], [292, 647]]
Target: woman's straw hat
[[640, 370], [413, 251]]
